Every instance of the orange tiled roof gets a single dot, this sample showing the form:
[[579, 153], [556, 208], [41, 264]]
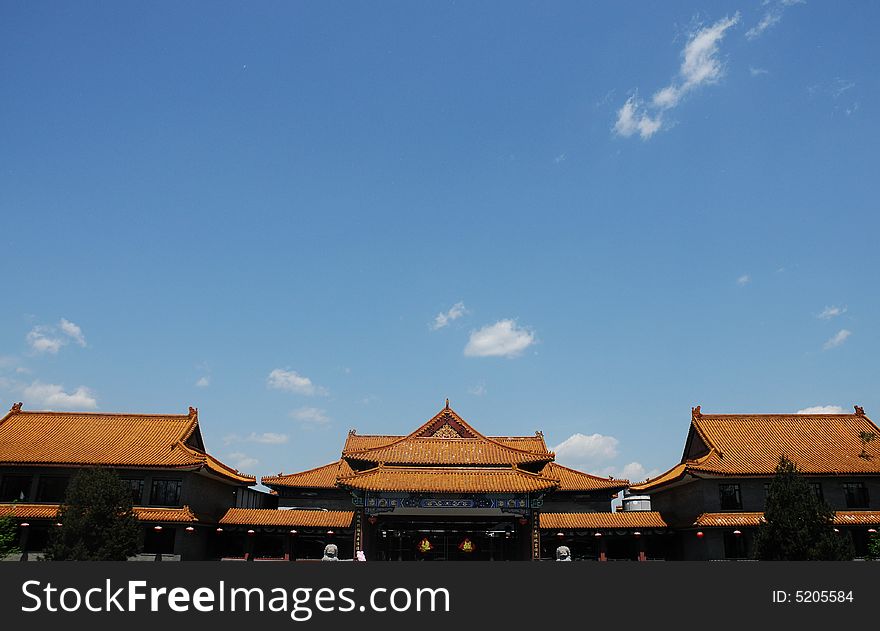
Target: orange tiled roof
[[730, 520], [573, 480], [118, 440], [599, 521], [751, 444], [287, 518], [323, 477], [144, 513], [448, 480], [360, 442], [448, 439]]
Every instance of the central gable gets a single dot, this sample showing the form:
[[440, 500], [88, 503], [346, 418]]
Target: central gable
[[446, 424]]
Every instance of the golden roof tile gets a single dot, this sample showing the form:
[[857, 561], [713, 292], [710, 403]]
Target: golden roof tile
[[573, 480], [117, 440], [600, 521], [447, 439], [323, 477], [743, 519], [751, 445], [287, 518], [448, 480], [144, 513]]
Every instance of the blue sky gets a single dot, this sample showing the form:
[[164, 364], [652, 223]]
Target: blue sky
[[308, 217]]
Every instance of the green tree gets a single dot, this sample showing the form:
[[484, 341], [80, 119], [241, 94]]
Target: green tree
[[98, 522], [798, 526], [8, 535], [874, 546]]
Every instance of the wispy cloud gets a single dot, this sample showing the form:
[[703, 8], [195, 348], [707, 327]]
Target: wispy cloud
[[633, 471], [505, 338], [837, 339], [743, 280], [582, 449], [772, 16], [478, 390], [45, 338], [203, 382], [266, 438], [242, 461], [310, 417], [831, 312], [443, 319], [822, 409], [755, 72], [701, 65], [292, 381], [53, 396]]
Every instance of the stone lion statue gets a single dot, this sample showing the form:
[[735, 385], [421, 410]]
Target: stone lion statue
[[331, 552], [563, 553]]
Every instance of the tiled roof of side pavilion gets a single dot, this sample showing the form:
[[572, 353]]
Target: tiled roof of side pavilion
[[287, 518], [144, 513], [744, 519], [116, 440], [751, 445], [599, 521]]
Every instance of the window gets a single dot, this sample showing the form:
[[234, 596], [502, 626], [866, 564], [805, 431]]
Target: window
[[730, 497], [165, 493], [856, 495], [15, 488], [137, 490], [817, 490], [52, 488]]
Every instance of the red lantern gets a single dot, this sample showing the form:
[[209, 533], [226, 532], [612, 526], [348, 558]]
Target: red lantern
[[523, 521], [372, 519], [700, 534]]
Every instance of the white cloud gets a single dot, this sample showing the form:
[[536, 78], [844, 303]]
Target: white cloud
[[310, 416], [743, 280], [502, 339], [478, 390], [701, 65], [49, 339], [757, 71], [632, 118], [242, 461], [634, 472], [73, 331], [831, 312], [42, 340], [54, 397], [822, 409], [267, 438], [203, 382], [837, 339], [292, 381], [580, 449], [772, 16], [443, 319]]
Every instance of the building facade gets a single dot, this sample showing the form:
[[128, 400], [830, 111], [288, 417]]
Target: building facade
[[713, 500], [179, 491]]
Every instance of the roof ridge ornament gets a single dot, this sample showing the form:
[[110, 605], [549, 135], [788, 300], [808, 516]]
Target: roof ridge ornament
[[193, 411], [695, 413], [447, 403], [860, 411], [16, 408]]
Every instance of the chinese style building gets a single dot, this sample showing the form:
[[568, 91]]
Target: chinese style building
[[714, 498], [178, 490], [447, 492]]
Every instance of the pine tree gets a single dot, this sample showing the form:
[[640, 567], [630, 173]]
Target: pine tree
[[798, 526], [98, 522], [8, 535]]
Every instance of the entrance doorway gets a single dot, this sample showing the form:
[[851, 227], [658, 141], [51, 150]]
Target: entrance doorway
[[454, 539]]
